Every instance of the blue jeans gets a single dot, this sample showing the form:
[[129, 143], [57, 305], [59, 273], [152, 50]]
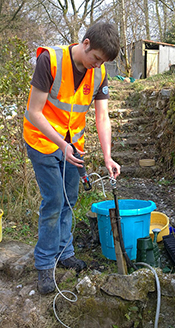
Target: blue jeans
[[55, 216]]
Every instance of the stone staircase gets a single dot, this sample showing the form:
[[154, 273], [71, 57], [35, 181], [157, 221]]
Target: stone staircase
[[131, 138], [139, 132]]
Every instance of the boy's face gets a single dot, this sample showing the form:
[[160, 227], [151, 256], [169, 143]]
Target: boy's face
[[92, 58]]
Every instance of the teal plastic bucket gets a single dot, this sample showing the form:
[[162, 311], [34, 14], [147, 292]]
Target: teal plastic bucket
[[135, 223]]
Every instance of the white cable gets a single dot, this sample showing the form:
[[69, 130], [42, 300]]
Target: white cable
[[100, 179], [67, 291], [64, 291], [158, 292]]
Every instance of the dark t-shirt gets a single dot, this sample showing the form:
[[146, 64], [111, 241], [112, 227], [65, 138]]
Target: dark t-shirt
[[42, 78]]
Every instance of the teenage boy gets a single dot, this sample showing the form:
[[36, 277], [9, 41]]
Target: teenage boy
[[65, 82]]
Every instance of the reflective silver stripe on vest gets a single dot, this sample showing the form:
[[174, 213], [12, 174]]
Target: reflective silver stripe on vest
[[57, 103], [97, 81], [27, 117], [77, 136], [80, 108], [67, 107], [57, 81]]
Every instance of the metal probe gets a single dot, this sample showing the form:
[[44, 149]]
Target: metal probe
[[82, 171]]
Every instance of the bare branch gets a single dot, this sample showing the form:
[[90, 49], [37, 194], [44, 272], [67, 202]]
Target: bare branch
[[53, 22], [60, 4], [17, 11], [11, 18], [165, 4], [73, 7], [85, 9], [86, 3]]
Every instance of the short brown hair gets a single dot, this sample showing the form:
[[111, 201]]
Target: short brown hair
[[104, 36]]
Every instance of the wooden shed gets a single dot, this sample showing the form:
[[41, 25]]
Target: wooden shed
[[148, 58]]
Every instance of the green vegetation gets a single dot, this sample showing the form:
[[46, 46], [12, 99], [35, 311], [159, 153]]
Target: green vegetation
[[171, 111], [85, 200], [164, 182], [170, 35], [18, 191], [157, 81], [21, 232]]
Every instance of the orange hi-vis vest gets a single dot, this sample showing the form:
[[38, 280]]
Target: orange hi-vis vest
[[65, 108]]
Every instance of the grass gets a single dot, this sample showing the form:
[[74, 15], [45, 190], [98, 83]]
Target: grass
[[164, 182], [20, 231], [166, 79]]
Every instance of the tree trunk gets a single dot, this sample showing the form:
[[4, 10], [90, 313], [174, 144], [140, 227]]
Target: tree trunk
[[146, 19], [123, 23], [159, 20]]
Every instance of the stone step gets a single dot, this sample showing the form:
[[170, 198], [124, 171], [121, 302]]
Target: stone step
[[129, 134], [134, 143], [118, 95], [127, 157], [114, 105], [130, 169], [135, 120], [138, 171], [123, 113], [121, 86], [131, 156], [135, 124]]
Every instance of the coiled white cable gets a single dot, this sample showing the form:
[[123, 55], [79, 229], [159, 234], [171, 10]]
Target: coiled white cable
[[62, 293]]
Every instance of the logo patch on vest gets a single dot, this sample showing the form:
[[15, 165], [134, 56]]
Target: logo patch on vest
[[86, 89], [105, 90]]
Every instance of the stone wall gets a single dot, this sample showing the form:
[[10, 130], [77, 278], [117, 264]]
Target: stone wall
[[159, 107]]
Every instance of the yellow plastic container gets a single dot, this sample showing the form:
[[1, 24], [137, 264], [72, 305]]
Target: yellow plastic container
[[161, 221], [1, 214]]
